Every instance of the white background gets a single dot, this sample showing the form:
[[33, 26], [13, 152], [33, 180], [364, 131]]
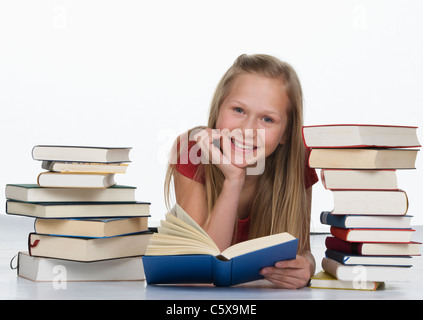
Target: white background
[[138, 73]]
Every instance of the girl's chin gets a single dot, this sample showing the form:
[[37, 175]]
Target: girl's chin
[[244, 163]]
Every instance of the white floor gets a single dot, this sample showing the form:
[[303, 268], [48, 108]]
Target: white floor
[[13, 238]]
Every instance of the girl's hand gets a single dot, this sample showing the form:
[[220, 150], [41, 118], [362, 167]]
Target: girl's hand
[[213, 154], [289, 274]]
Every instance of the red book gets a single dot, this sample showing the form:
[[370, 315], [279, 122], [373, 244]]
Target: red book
[[373, 249], [373, 235]]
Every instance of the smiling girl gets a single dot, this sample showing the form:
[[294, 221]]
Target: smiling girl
[[253, 179]]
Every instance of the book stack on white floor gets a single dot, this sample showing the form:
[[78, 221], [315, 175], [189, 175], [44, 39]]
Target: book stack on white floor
[[85, 223], [371, 239]]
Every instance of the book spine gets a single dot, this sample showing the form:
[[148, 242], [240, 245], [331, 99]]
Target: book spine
[[333, 220], [336, 244], [222, 272], [330, 268], [340, 233], [336, 255]]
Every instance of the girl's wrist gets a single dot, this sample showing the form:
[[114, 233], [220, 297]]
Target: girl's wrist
[[234, 182]]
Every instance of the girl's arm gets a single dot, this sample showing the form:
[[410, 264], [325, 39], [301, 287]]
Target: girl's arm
[[191, 195]]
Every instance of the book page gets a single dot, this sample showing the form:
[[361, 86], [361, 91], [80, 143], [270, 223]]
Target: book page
[[164, 244], [256, 244], [180, 213], [175, 230]]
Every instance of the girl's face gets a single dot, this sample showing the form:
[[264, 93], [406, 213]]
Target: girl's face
[[254, 116]]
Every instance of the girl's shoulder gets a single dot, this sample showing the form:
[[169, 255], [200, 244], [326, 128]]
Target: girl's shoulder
[[188, 159]]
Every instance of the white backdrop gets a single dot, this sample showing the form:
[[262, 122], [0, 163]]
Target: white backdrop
[[137, 73]]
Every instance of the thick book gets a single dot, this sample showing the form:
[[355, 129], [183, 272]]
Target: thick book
[[83, 167], [360, 135], [373, 249], [81, 153], [87, 249], [324, 280], [355, 259], [364, 221], [363, 158], [77, 209], [91, 228], [75, 180], [195, 258], [334, 179], [365, 273], [373, 235], [370, 202], [35, 193], [49, 269]]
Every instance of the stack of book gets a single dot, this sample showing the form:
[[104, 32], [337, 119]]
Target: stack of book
[[371, 233], [85, 222]]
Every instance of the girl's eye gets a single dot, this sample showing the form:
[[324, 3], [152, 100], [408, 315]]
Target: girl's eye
[[268, 120], [238, 109]]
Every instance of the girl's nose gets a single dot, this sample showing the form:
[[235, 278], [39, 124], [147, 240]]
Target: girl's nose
[[249, 123], [249, 128]]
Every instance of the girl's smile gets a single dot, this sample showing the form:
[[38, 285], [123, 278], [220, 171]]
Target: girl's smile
[[242, 147]]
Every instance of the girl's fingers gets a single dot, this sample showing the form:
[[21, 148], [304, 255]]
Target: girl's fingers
[[205, 140]]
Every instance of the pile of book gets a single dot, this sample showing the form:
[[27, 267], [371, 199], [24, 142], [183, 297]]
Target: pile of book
[[371, 234], [85, 223]]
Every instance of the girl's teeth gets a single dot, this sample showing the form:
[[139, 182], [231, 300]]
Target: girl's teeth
[[242, 146]]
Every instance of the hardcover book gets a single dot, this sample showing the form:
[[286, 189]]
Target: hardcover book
[[356, 259], [334, 179], [91, 228], [372, 202], [34, 193], [87, 249], [46, 269], [365, 273], [77, 209], [363, 158], [194, 258], [360, 135], [365, 221], [75, 180], [373, 235], [375, 249], [80, 154], [79, 167], [323, 280]]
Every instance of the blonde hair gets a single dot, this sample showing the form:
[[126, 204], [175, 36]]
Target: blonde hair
[[280, 202]]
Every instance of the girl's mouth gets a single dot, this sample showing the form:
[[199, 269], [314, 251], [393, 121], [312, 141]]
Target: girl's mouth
[[237, 145]]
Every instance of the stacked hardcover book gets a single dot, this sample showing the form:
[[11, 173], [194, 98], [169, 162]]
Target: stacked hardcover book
[[371, 233], [86, 223]]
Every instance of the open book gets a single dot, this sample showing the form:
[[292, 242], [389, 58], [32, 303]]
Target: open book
[[182, 252]]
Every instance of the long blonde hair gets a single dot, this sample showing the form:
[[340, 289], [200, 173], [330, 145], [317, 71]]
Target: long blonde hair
[[280, 202]]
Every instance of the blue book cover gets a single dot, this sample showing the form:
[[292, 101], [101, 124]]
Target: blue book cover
[[182, 252], [201, 268], [365, 221]]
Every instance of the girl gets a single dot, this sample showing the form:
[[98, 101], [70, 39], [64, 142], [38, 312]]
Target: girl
[[255, 117]]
